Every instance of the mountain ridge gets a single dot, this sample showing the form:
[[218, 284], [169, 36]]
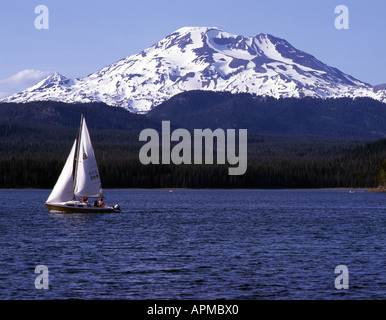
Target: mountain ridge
[[360, 118], [337, 118], [203, 58]]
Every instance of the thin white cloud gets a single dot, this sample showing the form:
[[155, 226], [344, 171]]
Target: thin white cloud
[[21, 81]]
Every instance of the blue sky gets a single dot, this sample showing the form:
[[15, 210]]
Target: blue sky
[[86, 35]]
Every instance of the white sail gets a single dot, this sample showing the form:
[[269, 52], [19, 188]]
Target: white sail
[[64, 187], [88, 183]]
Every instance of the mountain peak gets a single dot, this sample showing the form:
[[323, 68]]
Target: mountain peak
[[203, 58], [55, 80], [192, 29]]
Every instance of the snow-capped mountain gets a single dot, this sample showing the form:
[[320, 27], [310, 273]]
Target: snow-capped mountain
[[201, 58]]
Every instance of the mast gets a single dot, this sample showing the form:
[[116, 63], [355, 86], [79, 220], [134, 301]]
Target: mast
[[77, 149]]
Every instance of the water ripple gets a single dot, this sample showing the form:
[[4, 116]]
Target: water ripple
[[196, 244]]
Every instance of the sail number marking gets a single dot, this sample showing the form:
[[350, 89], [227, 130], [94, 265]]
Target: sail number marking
[[93, 174]]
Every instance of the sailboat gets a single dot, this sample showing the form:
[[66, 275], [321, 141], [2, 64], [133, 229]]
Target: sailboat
[[79, 178]]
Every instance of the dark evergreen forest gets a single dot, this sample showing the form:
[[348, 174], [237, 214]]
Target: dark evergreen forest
[[33, 157], [36, 138]]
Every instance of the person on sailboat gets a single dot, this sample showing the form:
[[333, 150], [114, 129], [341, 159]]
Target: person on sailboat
[[101, 203], [85, 200]]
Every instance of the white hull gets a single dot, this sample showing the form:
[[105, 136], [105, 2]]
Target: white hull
[[79, 207]]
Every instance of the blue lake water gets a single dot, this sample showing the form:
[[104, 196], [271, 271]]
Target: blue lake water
[[196, 244]]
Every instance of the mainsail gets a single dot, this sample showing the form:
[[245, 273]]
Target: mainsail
[[64, 187], [87, 180]]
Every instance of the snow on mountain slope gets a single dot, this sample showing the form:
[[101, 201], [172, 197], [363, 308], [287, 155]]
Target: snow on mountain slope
[[193, 58]]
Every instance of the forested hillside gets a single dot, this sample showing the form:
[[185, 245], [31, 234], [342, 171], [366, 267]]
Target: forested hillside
[[360, 118], [34, 156], [36, 138]]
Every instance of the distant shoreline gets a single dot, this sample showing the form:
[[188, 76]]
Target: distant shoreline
[[370, 189], [378, 189]]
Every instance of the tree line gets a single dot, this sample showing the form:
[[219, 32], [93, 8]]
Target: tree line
[[362, 165]]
